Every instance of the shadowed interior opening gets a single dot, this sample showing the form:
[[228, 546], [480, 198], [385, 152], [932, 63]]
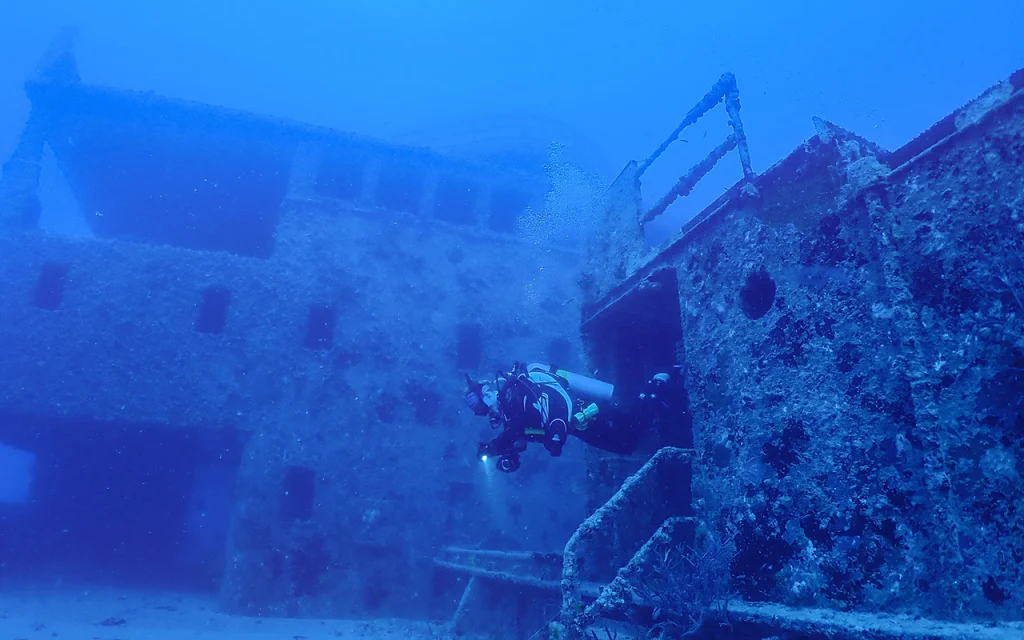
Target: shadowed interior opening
[[213, 310], [167, 175], [506, 207], [757, 294], [455, 201], [341, 177], [469, 345], [49, 291], [320, 326], [299, 491], [638, 336], [121, 504], [629, 342], [400, 188]]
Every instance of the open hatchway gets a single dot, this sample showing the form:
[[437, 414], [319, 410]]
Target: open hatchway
[[637, 334], [116, 504], [629, 339]]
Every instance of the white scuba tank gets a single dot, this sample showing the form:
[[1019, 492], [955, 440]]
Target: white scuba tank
[[585, 386]]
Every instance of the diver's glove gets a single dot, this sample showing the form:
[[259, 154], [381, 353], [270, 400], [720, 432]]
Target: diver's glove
[[663, 395], [505, 461], [474, 397]]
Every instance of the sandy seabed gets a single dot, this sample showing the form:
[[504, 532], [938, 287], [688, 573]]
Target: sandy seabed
[[99, 614]]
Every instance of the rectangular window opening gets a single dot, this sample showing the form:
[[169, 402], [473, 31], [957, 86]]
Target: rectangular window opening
[[455, 201], [320, 326], [341, 178], [49, 291], [469, 345], [299, 490], [205, 183], [17, 467], [400, 188], [213, 310], [506, 207], [153, 509]]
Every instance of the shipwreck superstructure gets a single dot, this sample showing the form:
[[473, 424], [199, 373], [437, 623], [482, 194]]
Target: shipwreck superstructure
[[850, 324], [262, 346]]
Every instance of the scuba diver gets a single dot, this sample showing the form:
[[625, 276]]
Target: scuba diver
[[543, 404]]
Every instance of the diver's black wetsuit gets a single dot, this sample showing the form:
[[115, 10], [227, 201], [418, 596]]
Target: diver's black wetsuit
[[615, 429], [534, 405]]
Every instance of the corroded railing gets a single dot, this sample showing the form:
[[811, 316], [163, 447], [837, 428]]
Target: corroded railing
[[637, 489], [725, 89]]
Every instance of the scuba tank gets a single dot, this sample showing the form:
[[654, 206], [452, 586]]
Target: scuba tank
[[585, 386]]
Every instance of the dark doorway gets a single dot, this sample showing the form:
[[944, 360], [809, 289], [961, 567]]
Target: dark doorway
[[638, 335], [122, 504], [630, 340]]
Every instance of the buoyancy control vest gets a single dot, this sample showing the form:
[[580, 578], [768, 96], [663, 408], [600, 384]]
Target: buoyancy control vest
[[535, 401]]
